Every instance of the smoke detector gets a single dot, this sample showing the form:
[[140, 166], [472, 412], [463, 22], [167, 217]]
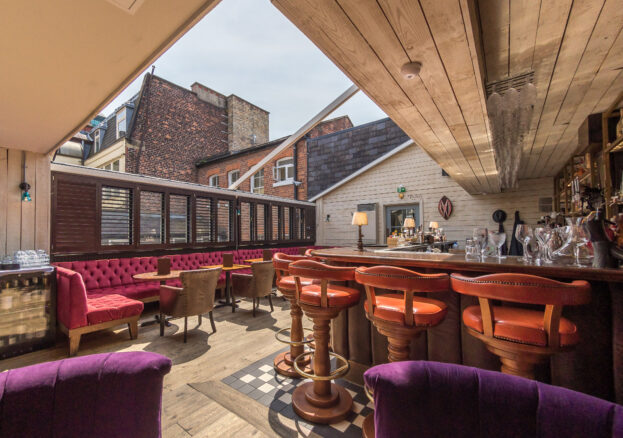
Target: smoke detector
[[411, 69]]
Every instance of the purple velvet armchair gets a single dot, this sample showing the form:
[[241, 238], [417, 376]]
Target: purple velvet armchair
[[432, 399], [102, 395]]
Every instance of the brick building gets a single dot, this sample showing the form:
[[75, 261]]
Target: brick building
[[165, 129], [285, 176]]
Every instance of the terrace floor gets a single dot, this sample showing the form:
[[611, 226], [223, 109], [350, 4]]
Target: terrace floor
[[201, 363]]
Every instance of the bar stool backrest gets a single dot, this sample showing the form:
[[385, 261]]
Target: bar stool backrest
[[282, 261], [316, 270], [523, 288], [399, 279], [527, 289]]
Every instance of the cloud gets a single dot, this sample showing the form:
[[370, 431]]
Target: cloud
[[248, 48]]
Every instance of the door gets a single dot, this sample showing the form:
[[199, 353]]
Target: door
[[396, 215]]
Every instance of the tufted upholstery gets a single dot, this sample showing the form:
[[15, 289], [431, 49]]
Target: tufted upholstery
[[100, 395], [115, 276], [453, 400], [104, 308]]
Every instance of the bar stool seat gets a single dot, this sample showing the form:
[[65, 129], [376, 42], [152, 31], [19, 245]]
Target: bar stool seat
[[426, 311], [520, 337], [520, 325], [337, 296], [288, 284]]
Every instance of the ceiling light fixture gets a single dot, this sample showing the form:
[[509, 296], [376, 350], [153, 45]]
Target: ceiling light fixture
[[411, 69]]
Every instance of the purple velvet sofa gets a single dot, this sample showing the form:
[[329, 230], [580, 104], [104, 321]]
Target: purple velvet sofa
[[102, 395], [432, 399]]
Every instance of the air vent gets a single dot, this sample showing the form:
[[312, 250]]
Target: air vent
[[516, 82]]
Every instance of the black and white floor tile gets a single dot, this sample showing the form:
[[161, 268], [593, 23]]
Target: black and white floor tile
[[260, 382]]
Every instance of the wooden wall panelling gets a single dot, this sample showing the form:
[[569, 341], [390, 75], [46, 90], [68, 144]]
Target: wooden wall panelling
[[550, 31], [524, 20], [4, 168], [42, 202], [27, 234], [14, 208], [578, 31], [597, 71], [325, 23], [433, 98], [494, 16], [454, 28]]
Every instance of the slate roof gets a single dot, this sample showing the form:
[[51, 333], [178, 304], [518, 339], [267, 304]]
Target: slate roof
[[333, 157], [109, 126]]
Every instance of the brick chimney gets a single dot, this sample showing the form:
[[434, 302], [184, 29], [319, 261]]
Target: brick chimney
[[247, 124], [209, 95]]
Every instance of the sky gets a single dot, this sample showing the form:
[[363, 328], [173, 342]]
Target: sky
[[248, 48]]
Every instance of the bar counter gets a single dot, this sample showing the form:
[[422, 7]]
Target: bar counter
[[595, 366]]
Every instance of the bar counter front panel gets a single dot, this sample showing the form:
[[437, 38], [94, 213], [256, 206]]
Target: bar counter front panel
[[594, 367]]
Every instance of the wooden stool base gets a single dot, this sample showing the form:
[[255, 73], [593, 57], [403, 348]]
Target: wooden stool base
[[283, 365], [318, 414], [367, 428]]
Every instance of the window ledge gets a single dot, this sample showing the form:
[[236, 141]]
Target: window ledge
[[283, 183]]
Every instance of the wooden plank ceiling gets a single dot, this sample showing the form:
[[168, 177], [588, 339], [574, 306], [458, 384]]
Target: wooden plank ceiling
[[574, 48]]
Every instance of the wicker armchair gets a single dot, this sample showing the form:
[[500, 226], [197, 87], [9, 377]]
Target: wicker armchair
[[256, 285]]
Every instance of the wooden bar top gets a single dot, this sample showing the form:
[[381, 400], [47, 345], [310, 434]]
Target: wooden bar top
[[562, 268]]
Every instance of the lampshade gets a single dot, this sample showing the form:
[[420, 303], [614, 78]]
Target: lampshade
[[360, 218], [409, 223], [433, 225]]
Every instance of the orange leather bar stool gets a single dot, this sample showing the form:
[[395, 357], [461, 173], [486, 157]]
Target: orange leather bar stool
[[321, 401], [284, 362], [520, 337], [400, 317]]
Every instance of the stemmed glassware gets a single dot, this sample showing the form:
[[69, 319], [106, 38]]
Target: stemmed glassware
[[498, 239], [481, 236], [579, 237], [523, 233], [544, 235]]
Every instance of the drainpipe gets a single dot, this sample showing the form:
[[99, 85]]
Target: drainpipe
[[294, 157]]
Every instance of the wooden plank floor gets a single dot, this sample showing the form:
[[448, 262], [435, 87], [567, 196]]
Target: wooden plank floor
[[239, 341]]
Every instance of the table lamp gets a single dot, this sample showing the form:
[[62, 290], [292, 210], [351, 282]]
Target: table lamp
[[409, 224], [433, 225], [360, 218]]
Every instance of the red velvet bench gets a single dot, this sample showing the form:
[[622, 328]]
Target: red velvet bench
[[79, 313]]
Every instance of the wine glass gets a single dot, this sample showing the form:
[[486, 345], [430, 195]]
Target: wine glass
[[531, 249], [543, 235], [522, 232], [580, 238], [498, 239], [481, 236]]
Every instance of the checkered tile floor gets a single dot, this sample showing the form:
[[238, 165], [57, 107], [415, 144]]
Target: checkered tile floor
[[260, 382]]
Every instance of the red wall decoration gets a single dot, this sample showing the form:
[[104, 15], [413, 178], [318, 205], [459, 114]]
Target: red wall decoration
[[445, 207]]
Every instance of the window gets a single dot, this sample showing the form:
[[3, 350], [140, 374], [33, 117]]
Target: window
[[257, 182], [152, 223], [223, 231], [97, 143], [116, 220], [121, 123], [213, 181], [284, 170], [115, 166], [203, 212], [232, 177], [395, 217], [260, 212], [179, 219]]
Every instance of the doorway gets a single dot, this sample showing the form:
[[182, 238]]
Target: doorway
[[396, 215]]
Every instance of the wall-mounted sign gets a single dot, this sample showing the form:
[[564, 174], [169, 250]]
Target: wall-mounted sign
[[445, 208], [401, 191]]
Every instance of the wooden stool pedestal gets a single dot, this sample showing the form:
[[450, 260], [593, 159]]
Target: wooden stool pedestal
[[284, 362], [321, 401]]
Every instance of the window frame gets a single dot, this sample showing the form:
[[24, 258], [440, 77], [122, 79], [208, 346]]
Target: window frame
[[121, 117], [97, 141], [211, 179], [254, 187], [286, 168], [229, 178]]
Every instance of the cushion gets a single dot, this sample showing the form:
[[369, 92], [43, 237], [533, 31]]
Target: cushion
[[138, 291], [426, 312], [520, 325], [104, 308], [337, 296], [287, 282]]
